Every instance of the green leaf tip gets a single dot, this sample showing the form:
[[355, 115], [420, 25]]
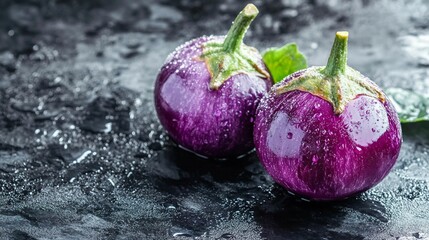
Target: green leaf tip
[[410, 106], [284, 61]]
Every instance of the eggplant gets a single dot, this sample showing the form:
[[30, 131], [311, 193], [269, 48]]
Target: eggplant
[[327, 133], [207, 92]]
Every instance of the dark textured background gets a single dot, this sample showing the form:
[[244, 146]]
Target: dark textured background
[[82, 155]]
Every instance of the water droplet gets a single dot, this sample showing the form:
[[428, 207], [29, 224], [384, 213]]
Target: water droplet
[[317, 106], [314, 159], [314, 45], [325, 148]]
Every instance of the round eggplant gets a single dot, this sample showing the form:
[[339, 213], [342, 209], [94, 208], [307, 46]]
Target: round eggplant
[[327, 133], [207, 92]]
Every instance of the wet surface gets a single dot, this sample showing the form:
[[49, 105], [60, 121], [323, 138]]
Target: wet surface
[[82, 154]]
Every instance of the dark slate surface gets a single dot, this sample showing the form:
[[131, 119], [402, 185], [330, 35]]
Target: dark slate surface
[[82, 155]]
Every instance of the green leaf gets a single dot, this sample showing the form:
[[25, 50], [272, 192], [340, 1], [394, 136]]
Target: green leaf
[[410, 106], [284, 61]]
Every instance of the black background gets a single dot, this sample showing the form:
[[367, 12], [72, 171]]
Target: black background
[[82, 155]]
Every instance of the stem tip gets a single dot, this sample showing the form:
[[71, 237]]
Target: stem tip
[[235, 35], [337, 62], [250, 10], [342, 35]]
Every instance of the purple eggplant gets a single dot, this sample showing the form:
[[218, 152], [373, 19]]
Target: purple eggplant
[[207, 92], [327, 133]]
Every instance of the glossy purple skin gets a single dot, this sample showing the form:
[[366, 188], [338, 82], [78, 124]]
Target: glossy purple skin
[[213, 123], [318, 155]]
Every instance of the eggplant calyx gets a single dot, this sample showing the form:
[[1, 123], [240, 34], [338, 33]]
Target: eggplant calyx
[[231, 57], [336, 83]]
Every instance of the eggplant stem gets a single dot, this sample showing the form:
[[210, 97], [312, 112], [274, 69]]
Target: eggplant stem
[[236, 33], [337, 62]]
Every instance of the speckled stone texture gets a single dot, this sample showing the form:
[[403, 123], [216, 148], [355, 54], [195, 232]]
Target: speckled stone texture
[[83, 156]]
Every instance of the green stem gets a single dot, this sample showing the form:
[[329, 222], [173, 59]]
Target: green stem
[[337, 61], [235, 35]]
